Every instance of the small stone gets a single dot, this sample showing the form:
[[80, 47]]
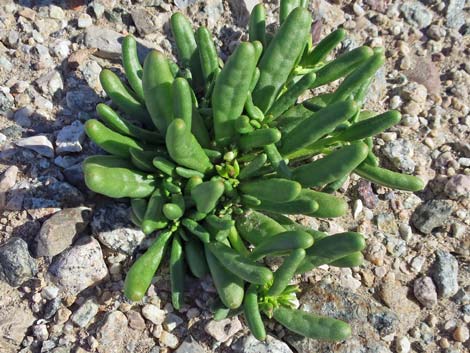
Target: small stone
[[455, 16], [143, 21], [431, 214], [84, 20], [40, 332], [111, 335], [458, 186], [182, 4], [445, 273], [85, 313], [461, 334], [58, 232], [56, 12], [223, 330], [375, 253], [79, 267], [50, 292], [16, 264], [112, 227], [136, 321], [50, 82], [154, 314], [416, 14], [270, 345], [62, 315], [366, 194], [171, 322], [387, 224], [39, 144], [191, 346], [425, 291], [405, 231], [403, 345], [400, 153], [7, 181], [61, 49], [417, 263], [167, 339], [70, 138], [22, 116]]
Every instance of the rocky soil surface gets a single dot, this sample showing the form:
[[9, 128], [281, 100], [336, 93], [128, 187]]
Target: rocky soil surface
[[64, 252]]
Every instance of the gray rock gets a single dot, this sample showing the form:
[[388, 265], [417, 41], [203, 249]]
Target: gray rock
[[74, 175], [67, 161], [85, 313], [455, 15], [51, 308], [84, 21], [332, 14], [58, 232], [172, 321], [39, 144], [112, 334], [70, 138], [400, 153], [6, 102], [112, 227], [15, 319], [425, 291], [168, 339], [445, 273], [22, 116], [7, 181], [61, 49], [223, 330], [50, 82], [84, 99], [143, 21], [183, 3], [458, 186], [367, 319], [79, 267], [416, 14], [153, 313], [431, 214], [190, 346], [16, 264], [213, 10], [108, 43], [272, 345]]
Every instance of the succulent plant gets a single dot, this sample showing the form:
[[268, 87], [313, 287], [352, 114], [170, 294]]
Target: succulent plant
[[213, 156]]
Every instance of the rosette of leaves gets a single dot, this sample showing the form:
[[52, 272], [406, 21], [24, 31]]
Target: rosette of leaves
[[213, 155]]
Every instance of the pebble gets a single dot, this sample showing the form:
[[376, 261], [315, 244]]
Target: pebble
[[182, 4], [111, 335], [61, 49], [40, 332], [416, 14], [85, 313], [79, 267], [143, 21], [84, 21], [22, 117], [16, 264], [62, 315], [70, 138], [56, 12], [169, 340], [50, 292], [458, 187], [50, 83], [223, 330], [403, 345], [7, 181], [375, 253], [58, 232], [39, 144], [112, 227], [425, 291], [431, 214], [461, 334], [172, 321], [400, 153], [272, 345], [445, 273], [417, 263], [405, 231], [455, 15], [154, 314], [136, 321], [190, 346]]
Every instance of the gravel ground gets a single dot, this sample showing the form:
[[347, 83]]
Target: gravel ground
[[64, 252]]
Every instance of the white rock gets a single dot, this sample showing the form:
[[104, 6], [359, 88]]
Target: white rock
[[50, 292], [61, 48], [169, 340], [39, 144], [223, 330], [40, 332], [56, 12], [154, 314], [70, 138], [271, 345], [84, 21], [403, 345]]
